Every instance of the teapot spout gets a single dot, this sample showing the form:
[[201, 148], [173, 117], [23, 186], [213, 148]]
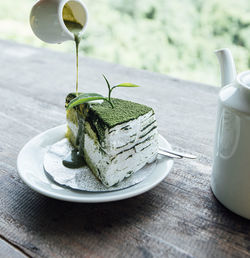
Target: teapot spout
[[227, 66]]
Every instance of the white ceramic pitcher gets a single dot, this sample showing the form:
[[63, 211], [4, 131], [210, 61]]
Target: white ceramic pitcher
[[46, 19], [231, 166]]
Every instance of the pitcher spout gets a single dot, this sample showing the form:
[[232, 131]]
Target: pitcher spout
[[227, 66]]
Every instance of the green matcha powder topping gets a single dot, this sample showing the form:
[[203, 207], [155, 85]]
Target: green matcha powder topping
[[122, 112]]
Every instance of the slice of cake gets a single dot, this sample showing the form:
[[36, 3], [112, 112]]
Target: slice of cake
[[115, 142]]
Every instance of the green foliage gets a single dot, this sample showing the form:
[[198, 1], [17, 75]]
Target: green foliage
[[172, 37], [87, 97], [83, 98], [125, 84]]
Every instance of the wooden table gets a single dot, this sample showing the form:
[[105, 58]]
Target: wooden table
[[178, 218]]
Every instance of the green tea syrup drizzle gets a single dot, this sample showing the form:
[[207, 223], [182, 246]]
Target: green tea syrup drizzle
[[75, 158], [74, 27]]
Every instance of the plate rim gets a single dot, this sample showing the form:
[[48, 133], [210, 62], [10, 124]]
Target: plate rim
[[81, 197]]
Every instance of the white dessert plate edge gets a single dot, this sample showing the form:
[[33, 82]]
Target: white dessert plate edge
[[30, 169]]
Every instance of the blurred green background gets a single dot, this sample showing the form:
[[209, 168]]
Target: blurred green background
[[176, 38]]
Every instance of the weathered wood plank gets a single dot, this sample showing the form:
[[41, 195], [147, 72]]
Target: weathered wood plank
[[178, 218], [7, 250]]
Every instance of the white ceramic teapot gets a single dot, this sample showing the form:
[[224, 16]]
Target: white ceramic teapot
[[46, 19], [231, 166]]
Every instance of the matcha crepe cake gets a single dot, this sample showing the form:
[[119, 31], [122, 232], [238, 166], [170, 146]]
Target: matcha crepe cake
[[115, 141]]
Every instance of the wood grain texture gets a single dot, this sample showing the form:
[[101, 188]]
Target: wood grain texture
[[178, 218], [7, 250]]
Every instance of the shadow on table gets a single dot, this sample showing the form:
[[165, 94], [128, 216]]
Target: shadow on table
[[48, 215], [59, 222], [41, 213]]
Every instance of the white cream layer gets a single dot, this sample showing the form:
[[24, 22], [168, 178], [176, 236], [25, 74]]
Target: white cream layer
[[113, 169], [126, 148]]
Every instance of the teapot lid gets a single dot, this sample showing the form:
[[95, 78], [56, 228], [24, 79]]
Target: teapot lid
[[236, 95], [243, 80]]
